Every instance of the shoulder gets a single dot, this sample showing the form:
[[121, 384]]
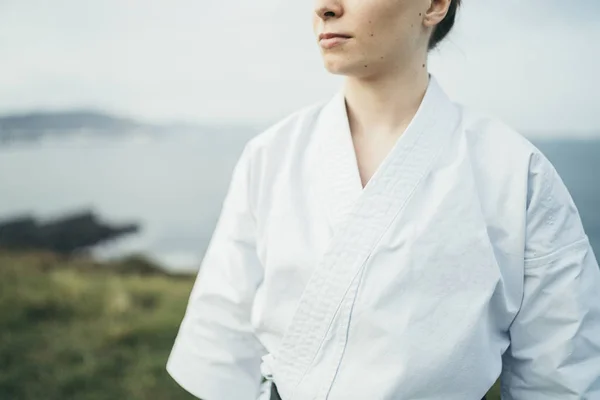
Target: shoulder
[[519, 173], [492, 136], [265, 155], [494, 143], [286, 131]]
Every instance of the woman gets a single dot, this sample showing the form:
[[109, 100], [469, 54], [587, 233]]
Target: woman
[[390, 244]]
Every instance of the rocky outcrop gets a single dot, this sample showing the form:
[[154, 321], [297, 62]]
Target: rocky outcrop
[[65, 235]]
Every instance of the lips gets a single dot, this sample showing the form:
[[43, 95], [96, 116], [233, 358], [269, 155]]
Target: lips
[[331, 40], [333, 36]]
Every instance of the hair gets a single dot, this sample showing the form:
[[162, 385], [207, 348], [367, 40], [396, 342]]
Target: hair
[[444, 27]]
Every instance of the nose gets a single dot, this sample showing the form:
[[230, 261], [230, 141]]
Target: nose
[[328, 9]]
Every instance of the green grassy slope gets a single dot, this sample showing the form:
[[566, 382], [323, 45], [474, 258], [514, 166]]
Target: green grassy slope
[[72, 330]]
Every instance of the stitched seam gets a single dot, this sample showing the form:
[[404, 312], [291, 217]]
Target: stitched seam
[[536, 262]]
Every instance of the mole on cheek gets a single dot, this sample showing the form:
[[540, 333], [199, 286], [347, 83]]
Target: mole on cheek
[[366, 65]]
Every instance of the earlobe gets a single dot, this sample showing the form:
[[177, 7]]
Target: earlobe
[[431, 20]]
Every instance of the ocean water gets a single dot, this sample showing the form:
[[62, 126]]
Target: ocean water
[[173, 185]]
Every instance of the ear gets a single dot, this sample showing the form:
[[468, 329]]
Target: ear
[[436, 13]]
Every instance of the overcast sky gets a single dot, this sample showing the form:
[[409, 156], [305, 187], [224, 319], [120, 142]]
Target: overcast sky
[[533, 63]]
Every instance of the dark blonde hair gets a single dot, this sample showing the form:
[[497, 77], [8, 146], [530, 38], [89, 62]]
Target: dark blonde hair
[[444, 27]]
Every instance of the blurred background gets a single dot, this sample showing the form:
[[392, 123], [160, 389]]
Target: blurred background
[[121, 121]]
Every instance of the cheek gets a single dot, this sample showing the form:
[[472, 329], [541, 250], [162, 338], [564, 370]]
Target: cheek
[[393, 28], [316, 23], [380, 18]]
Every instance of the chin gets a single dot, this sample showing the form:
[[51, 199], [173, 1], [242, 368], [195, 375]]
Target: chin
[[338, 64]]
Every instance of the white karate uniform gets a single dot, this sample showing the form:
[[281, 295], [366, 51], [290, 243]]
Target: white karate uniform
[[462, 260]]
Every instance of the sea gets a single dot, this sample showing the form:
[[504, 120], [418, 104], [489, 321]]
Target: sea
[[173, 185]]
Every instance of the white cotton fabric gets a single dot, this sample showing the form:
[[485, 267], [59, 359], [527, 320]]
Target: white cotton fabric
[[462, 260]]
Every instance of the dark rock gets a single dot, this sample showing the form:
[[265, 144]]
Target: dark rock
[[65, 235]]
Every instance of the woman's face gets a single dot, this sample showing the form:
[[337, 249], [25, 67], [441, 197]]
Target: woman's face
[[375, 35]]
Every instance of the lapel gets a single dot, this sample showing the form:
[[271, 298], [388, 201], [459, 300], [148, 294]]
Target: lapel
[[359, 218], [337, 177]]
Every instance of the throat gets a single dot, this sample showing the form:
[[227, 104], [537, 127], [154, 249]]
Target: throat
[[371, 151]]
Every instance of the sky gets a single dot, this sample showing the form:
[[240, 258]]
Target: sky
[[533, 63]]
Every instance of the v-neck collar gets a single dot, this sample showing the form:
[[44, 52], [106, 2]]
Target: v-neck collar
[[338, 175], [359, 219]]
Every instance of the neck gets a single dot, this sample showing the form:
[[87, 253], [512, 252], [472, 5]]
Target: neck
[[385, 105]]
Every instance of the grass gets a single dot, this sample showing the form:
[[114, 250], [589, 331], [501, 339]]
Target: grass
[[494, 393], [74, 329]]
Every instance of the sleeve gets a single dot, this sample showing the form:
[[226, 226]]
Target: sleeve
[[216, 355], [555, 337]]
